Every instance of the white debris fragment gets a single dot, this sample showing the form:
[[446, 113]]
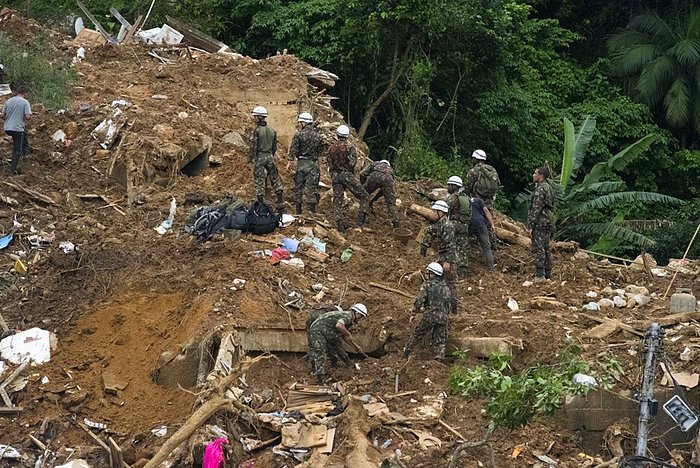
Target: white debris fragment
[[587, 380], [161, 431], [591, 306], [513, 305], [592, 294], [9, 452], [33, 344], [619, 301], [686, 354], [527, 283]]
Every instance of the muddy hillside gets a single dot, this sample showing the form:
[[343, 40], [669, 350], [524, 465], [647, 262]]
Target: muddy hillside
[[156, 344]]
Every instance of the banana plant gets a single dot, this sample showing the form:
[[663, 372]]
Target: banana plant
[[592, 205]]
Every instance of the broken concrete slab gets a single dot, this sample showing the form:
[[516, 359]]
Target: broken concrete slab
[[281, 339], [304, 435], [112, 384], [486, 346]]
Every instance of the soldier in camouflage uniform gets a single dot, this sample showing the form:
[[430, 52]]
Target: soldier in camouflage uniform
[[539, 219], [434, 298], [380, 175], [263, 146], [325, 335], [460, 215], [444, 231], [482, 181], [306, 147], [318, 310], [342, 158]]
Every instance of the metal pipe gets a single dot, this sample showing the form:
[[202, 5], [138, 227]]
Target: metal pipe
[[652, 340]]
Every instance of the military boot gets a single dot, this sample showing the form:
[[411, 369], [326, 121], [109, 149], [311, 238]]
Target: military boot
[[342, 227], [280, 197], [312, 207], [320, 379], [297, 207], [361, 218]]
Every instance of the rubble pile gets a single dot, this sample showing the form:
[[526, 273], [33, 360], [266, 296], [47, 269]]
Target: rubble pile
[[149, 348]]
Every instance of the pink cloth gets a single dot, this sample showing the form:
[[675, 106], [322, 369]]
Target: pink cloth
[[214, 454]]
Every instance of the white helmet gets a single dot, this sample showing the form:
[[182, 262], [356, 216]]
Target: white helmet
[[435, 268], [385, 161], [441, 205], [260, 110], [360, 309], [479, 154], [455, 180], [305, 117], [343, 131]]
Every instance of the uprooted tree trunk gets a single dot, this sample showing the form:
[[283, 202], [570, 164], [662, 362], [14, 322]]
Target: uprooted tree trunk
[[217, 401]]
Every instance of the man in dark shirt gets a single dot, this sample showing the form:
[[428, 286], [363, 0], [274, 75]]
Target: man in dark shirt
[[481, 225]]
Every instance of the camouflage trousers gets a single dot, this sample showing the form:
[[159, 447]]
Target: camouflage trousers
[[451, 278], [492, 232], [462, 252], [263, 167], [307, 175], [386, 189], [323, 348], [439, 335], [540, 247], [342, 181]]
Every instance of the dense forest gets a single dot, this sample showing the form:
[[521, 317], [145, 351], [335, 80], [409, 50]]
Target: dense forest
[[606, 92]]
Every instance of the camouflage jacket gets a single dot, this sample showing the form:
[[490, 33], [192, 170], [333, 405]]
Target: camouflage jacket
[[457, 214], [444, 232], [342, 157], [377, 166], [263, 140], [434, 298], [325, 324], [540, 213], [306, 144]]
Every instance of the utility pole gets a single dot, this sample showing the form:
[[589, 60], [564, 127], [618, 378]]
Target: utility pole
[[653, 344]]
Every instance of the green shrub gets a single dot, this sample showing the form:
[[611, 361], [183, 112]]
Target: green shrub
[[32, 65], [514, 399]]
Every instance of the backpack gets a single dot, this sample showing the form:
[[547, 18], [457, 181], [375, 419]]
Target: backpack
[[208, 223], [338, 160], [488, 182], [465, 209], [261, 219]]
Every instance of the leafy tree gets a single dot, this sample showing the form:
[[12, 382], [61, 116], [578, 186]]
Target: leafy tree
[[661, 58]]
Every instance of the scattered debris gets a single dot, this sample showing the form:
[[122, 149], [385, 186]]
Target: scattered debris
[[34, 345]]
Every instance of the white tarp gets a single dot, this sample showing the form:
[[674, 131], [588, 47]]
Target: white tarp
[[33, 344]]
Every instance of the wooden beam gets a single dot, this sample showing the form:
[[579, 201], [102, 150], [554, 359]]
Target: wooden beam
[[94, 21], [195, 37], [130, 35], [120, 18]]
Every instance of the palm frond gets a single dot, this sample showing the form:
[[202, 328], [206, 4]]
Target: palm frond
[[645, 224], [693, 29], [627, 155], [616, 198], [584, 135], [624, 39], [605, 186], [651, 23], [634, 59], [687, 51], [677, 102], [655, 78], [611, 229], [569, 157]]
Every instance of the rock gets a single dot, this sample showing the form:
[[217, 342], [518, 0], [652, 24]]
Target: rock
[[164, 132], [630, 303], [234, 138], [592, 294], [634, 289], [71, 129], [216, 159], [639, 262], [606, 303], [641, 299], [102, 154], [591, 306], [73, 399], [112, 384], [619, 301]]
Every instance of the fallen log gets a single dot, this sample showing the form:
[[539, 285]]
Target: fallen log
[[218, 402], [425, 212]]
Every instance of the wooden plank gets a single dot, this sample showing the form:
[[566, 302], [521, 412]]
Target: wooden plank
[[195, 37], [133, 30], [10, 410], [117, 457], [94, 21], [623, 326], [119, 17], [603, 330]]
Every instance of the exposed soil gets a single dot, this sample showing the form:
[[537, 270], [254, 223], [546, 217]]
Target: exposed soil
[[128, 300]]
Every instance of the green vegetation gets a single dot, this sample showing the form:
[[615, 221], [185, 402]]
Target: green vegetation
[[48, 79], [513, 399]]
